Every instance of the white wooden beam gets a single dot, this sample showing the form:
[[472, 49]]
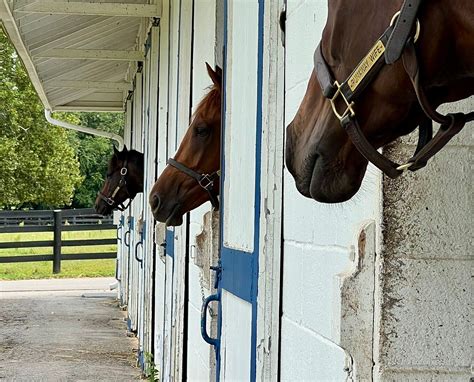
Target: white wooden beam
[[92, 54], [14, 34], [92, 9], [101, 108], [100, 85]]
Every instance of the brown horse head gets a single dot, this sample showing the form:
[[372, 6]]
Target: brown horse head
[[124, 180], [176, 192], [323, 160]]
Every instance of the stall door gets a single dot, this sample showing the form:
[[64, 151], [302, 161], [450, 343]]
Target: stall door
[[240, 199]]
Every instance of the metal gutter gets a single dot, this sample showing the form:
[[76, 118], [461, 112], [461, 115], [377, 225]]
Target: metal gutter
[[83, 129]]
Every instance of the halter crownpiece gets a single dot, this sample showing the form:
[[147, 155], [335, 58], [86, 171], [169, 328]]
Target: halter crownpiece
[[206, 181], [397, 41]]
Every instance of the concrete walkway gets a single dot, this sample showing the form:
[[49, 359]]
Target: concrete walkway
[[64, 330]]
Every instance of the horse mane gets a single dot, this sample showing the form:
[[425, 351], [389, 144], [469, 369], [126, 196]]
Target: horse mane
[[209, 101]]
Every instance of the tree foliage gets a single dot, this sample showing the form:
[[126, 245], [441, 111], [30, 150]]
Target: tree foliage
[[42, 165], [38, 165], [94, 154]]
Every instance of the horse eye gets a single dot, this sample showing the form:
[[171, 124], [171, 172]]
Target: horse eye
[[203, 131]]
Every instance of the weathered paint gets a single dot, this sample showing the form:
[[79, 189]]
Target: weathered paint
[[425, 275]]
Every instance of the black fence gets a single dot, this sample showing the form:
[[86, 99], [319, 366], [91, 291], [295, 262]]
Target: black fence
[[55, 221]]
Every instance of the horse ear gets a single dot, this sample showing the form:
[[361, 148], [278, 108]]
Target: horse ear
[[216, 76], [124, 149], [116, 152]]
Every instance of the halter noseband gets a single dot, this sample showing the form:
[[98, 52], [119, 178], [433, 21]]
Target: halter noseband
[[394, 43], [206, 181], [122, 183]]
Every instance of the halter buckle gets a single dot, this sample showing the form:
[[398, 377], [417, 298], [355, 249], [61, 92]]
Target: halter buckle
[[405, 167], [349, 105], [205, 181]]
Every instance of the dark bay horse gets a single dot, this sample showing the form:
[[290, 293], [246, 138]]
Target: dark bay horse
[[192, 176], [124, 181], [394, 71]]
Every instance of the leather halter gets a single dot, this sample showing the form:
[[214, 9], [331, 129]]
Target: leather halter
[[206, 181], [122, 183], [397, 41]]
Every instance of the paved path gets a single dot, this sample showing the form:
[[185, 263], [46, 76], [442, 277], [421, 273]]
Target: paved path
[[64, 330]]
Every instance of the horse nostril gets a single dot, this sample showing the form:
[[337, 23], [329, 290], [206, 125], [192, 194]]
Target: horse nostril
[[155, 202]]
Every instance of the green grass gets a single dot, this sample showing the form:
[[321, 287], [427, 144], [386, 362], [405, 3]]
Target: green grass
[[69, 268]]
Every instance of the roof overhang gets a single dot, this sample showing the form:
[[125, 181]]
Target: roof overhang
[[79, 54]]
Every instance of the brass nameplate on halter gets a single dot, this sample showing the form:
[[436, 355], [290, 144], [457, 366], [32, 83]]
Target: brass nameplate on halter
[[365, 65]]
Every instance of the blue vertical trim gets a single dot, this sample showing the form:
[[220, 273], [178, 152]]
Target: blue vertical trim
[[258, 176]]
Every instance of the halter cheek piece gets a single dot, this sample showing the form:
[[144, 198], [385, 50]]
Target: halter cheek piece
[[395, 42], [206, 181], [122, 183]]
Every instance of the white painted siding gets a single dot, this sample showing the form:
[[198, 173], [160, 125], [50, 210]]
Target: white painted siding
[[241, 88], [200, 354], [235, 340]]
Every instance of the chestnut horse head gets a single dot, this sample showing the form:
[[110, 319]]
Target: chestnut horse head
[[191, 177], [384, 94], [124, 181]]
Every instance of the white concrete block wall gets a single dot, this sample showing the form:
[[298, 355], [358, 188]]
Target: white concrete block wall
[[318, 238], [426, 288]]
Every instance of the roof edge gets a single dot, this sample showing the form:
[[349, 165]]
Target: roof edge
[[11, 29]]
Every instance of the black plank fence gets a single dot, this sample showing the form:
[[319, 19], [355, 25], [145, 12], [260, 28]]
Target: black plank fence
[[55, 221]]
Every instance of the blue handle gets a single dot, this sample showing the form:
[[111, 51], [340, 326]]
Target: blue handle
[[127, 243], [211, 341], [119, 228]]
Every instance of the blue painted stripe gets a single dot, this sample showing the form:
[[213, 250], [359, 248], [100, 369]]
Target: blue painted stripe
[[237, 273], [169, 240], [258, 177]]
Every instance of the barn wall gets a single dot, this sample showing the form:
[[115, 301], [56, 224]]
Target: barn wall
[[320, 243], [425, 280]]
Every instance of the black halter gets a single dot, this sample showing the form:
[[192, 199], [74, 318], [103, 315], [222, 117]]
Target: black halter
[[122, 183], [395, 42], [206, 181]]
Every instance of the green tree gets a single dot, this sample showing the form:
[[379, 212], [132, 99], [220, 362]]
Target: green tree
[[38, 164], [94, 154]]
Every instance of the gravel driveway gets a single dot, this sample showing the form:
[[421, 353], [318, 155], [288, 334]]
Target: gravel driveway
[[64, 330]]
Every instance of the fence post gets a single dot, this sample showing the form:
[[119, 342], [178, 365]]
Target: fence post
[[57, 241]]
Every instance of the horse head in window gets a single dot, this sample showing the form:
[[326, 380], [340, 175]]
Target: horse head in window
[[124, 181], [192, 176], [380, 71]]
